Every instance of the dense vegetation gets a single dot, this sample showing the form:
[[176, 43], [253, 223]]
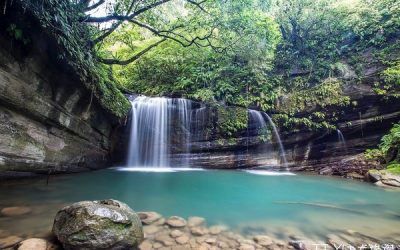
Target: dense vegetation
[[388, 152], [286, 57]]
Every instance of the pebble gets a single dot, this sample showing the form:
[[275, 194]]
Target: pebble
[[195, 221], [182, 239], [263, 240], [217, 229], [148, 230], [146, 245], [15, 211], [148, 218], [36, 244], [9, 241], [175, 221], [211, 241], [199, 231], [176, 233]]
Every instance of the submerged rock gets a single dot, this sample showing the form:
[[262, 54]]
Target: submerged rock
[[148, 218], [36, 244], [9, 241], [195, 221], [175, 221], [15, 211], [105, 224]]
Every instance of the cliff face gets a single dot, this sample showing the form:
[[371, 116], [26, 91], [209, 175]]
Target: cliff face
[[362, 126], [49, 121]]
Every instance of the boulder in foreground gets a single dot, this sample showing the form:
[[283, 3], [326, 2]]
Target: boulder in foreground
[[104, 224]]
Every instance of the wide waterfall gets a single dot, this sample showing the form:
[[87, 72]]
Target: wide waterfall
[[164, 129], [152, 118]]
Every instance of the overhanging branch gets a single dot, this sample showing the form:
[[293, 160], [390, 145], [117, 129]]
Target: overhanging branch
[[133, 58]]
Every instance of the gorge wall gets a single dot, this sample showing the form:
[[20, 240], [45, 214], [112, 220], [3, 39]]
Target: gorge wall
[[49, 121]]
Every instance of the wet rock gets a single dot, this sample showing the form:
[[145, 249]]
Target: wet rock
[[175, 221], [9, 241], [105, 224], [199, 231], [36, 244], [182, 239], [176, 233], [217, 229], [263, 240], [15, 211], [148, 218], [195, 221]]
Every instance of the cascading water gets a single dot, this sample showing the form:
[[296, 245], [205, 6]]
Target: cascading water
[[341, 140], [150, 138], [259, 118], [148, 145]]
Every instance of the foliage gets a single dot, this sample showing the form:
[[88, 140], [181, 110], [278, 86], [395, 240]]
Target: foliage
[[394, 168], [389, 148], [231, 119], [60, 19]]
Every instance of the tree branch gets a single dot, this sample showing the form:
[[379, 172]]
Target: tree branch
[[116, 17], [133, 58], [94, 6]]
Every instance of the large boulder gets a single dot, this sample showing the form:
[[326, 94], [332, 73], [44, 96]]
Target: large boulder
[[105, 224]]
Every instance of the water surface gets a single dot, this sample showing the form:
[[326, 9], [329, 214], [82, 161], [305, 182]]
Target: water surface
[[279, 205]]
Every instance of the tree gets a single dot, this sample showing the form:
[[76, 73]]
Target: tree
[[154, 17]]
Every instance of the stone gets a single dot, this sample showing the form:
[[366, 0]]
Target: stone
[[36, 244], [15, 211], [175, 221], [182, 239], [148, 230], [211, 241], [178, 247], [148, 218], [104, 224], [297, 244], [164, 239], [199, 231], [246, 247], [354, 175], [146, 245], [326, 171], [157, 245], [217, 229], [176, 233], [263, 240], [195, 221], [9, 241]]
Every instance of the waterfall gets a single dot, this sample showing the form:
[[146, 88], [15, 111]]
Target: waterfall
[[158, 124], [341, 140], [148, 144], [259, 118]]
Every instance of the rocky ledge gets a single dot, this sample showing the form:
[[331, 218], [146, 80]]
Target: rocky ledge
[[384, 178]]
